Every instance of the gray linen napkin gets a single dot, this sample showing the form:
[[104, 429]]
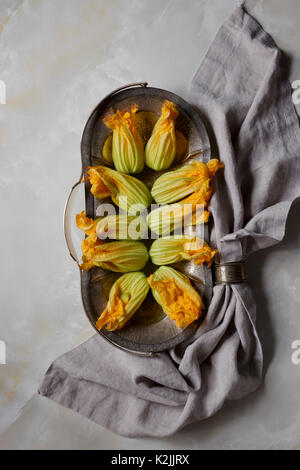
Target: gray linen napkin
[[241, 90]]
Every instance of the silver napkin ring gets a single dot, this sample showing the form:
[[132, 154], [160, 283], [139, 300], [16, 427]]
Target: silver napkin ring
[[229, 273]]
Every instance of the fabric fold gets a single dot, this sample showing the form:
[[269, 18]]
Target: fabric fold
[[242, 92]]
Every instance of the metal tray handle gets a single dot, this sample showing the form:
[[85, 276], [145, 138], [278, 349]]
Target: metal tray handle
[[118, 90], [68, 222]]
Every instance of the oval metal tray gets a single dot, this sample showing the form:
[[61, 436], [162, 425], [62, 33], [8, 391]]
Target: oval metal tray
[[150, 330]]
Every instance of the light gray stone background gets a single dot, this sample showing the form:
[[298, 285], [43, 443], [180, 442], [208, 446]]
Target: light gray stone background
[[58, 59]]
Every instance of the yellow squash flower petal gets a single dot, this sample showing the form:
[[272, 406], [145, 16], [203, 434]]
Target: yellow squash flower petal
[[213, 166], [87, 247], [178, 299], [125, 190], [127, 144], [168, 250], [107, 150], [168, 218], [161, 147], [86, 224], [177, 184], [125, 297], [190, 211], [119, 256]]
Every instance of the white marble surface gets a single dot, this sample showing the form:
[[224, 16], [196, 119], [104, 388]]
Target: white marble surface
[[58, 59]]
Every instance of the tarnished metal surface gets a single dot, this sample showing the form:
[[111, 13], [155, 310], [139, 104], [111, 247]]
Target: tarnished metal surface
[[229, 273], [150, 330]]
